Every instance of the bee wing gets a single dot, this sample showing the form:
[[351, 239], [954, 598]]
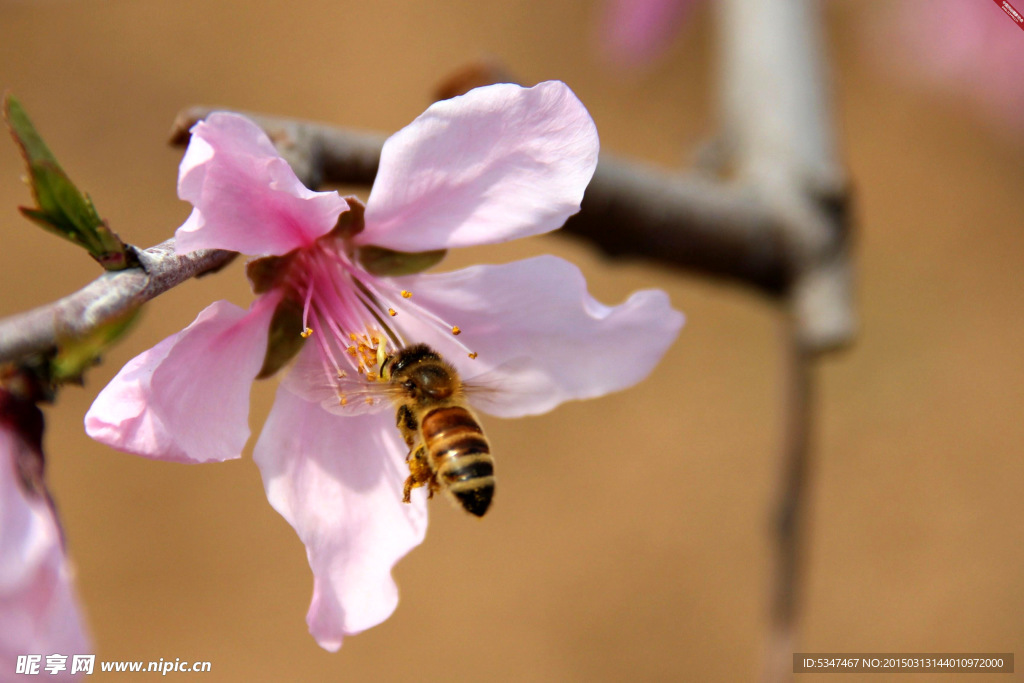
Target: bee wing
[[483, 386], [340, 395], [358, 397], [508, 378]]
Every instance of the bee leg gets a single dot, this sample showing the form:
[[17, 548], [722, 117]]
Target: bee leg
[[419, 473], [407, 425]]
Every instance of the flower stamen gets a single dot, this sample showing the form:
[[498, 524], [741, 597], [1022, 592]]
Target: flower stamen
[[305, 310], [326, 357], [433, 319], [373, 300], [345, 300]]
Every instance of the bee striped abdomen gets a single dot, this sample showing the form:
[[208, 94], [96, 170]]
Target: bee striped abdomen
[[460, 456]]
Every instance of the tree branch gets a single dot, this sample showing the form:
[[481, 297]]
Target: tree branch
[[630, 209], [692, 221], [107, 297], [687, 221]]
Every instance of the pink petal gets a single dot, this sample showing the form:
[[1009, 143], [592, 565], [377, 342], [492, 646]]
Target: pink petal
[[187, 398], [495, 164], [541, 338], [638, 31], [338, 481], [246, 197], [38, 610]]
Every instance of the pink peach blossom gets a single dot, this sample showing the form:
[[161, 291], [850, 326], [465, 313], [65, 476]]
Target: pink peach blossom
[[496, 164], [38, 610]]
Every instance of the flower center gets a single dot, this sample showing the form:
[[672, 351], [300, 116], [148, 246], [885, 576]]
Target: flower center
[[353, 316]]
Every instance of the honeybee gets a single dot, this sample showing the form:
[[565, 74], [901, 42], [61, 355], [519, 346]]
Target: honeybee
[[448, 451], [447, 448]]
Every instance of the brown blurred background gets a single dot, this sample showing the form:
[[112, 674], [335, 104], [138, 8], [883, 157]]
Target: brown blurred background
[[582, 571]]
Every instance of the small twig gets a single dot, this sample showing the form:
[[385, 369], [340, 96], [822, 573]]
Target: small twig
[[790, 508], [107, 297]]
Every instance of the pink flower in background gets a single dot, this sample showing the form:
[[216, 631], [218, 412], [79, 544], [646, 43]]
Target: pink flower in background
[[636, 32], [38, 610], [968, 48], [496, 164]]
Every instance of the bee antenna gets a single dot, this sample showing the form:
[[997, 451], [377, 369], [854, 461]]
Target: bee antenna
[[382, 361]]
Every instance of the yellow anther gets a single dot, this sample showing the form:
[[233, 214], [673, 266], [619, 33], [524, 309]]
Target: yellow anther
[[372, 376], [352, 336], [342, 401], [306, 332], [351, 351], [392, 312], [455, 330], [473, 355], [406, 294], [342, 374], [369, 401]]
